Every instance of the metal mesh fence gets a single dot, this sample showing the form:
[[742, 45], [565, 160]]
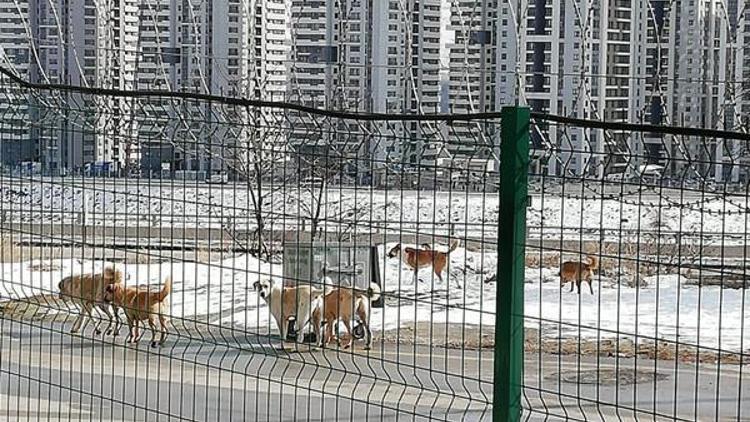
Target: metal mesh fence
[[271, 218], [636, 273], [260, 219]]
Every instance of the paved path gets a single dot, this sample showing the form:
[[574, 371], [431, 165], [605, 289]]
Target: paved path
[[224, 375]]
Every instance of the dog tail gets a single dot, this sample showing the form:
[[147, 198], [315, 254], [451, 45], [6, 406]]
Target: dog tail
[[454, 245], [593, 262], [373, 292], [166, 289]]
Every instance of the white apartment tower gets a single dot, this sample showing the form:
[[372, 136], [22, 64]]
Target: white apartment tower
[[86, 43], [559, 65], [227, 48], [473, 76], [16, 143], [686, 78], [381, 57], [406, 76], [330, 54], [658, 62]]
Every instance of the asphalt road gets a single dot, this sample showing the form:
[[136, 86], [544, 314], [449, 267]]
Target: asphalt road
[[49, 375]]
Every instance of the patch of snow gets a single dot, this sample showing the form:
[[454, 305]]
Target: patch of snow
[[222, 292]]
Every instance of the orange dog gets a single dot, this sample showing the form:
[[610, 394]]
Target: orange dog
[[140, 304], [575, 272], [424, 258], [342, 304]]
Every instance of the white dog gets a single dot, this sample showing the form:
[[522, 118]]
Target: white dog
[[287, 302]]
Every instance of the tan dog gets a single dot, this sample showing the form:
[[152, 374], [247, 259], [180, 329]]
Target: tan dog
[[287, 302], [575, 272], [342, 304], [87, 290], [141, 304], [424, 258]]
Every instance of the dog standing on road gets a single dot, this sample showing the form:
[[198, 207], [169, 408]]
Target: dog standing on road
[[141, 304], [86, 291], [424, 258], [343, 303], [575, 272], [287, 302]]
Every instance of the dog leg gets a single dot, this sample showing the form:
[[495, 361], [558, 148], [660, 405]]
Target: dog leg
[[318, 338], [129, 338], [163, 323], [572, 286], [136, 332], [349, 331], [368, 335], [105, 309], [152, 325], [301, 319], [141, 333], [118, 322], [77, 323], [87, 308], [364, 317], [591, 288], [283, 332], [283, 329], [329, 332], [79, 318]]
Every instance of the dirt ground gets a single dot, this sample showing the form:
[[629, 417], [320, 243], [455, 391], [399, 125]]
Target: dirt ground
[[475, 337]]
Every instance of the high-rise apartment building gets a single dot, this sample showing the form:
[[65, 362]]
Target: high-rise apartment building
[[230, 48], [227, 48], [560, 65], [473, 74], [86, 43], [406, 76], [656, 62], [16, 142], [379, 57]]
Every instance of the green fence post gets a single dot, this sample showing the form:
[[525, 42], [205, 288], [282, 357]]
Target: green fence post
[[511, 239]]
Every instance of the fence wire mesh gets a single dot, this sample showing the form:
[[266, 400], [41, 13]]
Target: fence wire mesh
[[287, 198], [636, 273], [329, 147]]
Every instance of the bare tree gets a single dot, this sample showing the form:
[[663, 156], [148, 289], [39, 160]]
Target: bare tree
[[257, 159], [245, 143], [318, 165]]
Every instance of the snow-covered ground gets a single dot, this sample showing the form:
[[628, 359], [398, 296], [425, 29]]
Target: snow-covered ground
[[221, 292], [467, 214]]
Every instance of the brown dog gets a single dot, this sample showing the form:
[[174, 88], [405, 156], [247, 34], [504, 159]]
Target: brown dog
[[141, 304], [342, 304], [424, 258], [575, 272], [87, 290]]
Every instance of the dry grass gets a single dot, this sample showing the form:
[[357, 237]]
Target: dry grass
[[11, 252], [142, 256], [626, 348], [546, 260], [44, 267], [457, 336], [32, 308]]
